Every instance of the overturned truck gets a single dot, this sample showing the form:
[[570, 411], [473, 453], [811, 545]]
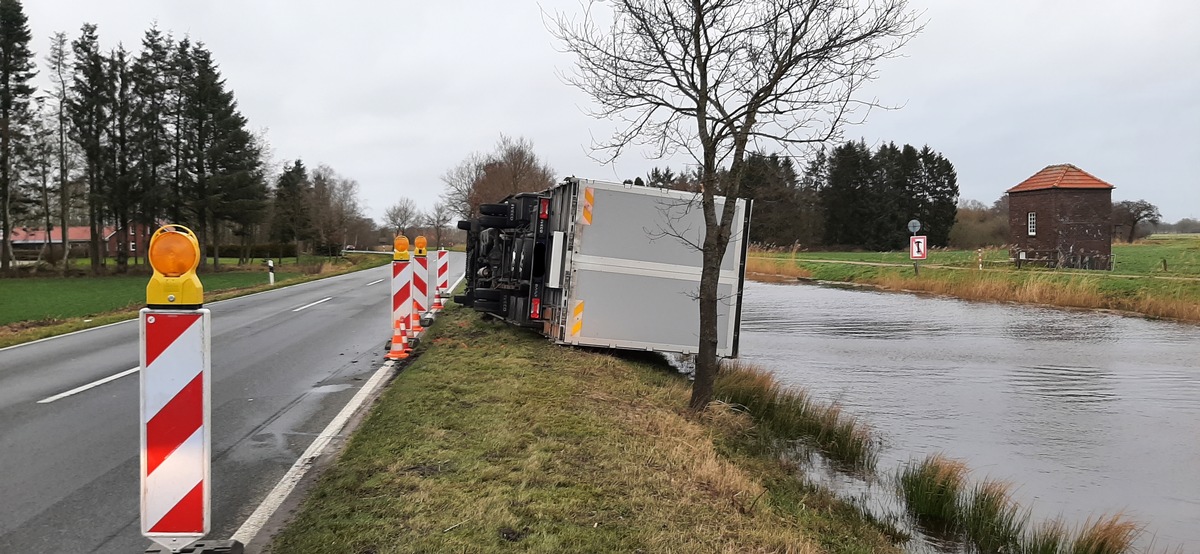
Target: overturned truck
[[603, 264]]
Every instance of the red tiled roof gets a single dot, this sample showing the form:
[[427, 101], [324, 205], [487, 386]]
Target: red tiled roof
[[1061, 176], [74, 234]]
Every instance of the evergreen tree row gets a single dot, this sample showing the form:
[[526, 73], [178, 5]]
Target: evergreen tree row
[[847, 197], [126, 139]]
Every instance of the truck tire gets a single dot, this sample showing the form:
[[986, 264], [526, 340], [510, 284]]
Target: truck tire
[[496, 221], [494, 209], [496, 295]]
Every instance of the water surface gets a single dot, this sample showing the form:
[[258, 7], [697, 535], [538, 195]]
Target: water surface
[[1087, 413]]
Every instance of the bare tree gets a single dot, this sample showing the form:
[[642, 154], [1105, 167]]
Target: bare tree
[[713, 77], [401, 215], [512, 168], [1129, 213], [459, 181], [437, 219]]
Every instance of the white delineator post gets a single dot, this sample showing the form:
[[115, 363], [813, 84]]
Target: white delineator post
[[174, 332], [175, 425], [271, 272]]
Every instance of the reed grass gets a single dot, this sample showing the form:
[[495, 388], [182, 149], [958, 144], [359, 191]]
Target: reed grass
[[1049, 537], [787, 413], [761, 266], [1106, 535], [931, 490], [991, 521]]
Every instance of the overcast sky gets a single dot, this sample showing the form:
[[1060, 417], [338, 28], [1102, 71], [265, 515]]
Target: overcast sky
[[392, 94]]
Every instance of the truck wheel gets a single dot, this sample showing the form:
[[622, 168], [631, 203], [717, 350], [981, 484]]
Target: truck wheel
[[491, 294], [494, 209], [499, 222]]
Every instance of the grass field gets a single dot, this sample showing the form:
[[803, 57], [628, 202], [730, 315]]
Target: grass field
[[1138, 285], [496, 440], [1144, 257], [42, 306]]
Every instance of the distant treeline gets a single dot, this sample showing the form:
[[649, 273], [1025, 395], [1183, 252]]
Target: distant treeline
[[849, 197], [141, 137]]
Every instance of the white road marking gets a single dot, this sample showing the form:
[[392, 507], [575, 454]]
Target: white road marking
[[374, 282], [288, 483], [313, 304], [91, 385]]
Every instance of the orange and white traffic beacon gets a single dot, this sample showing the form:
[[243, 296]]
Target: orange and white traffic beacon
[[175, 336]]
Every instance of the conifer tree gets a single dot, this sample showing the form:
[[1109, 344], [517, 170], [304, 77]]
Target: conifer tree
[[16, 69], [90, 106]]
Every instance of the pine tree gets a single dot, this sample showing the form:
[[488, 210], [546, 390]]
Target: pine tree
[[123, 197], [16, 69], [90, 106], [291, 219], [150, 143], [181, 78]]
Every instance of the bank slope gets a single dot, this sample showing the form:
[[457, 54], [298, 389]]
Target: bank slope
[[496, 440]]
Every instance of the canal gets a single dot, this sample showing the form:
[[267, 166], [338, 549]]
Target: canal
[[1086, 413]]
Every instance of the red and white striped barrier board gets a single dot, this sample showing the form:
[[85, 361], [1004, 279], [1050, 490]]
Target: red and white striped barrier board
[[175, 426], [420, 285], [401, 292], [443, 273]]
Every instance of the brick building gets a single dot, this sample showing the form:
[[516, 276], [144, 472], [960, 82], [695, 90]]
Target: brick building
[[1061, 217]]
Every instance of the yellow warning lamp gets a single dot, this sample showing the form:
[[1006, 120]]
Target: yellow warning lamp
[[174, 254], [400, 249], [421, 243]]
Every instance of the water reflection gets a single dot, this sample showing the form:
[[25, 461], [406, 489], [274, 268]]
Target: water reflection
[[1087, 412]]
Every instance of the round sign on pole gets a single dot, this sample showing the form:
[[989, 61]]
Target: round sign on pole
[[914, 226]]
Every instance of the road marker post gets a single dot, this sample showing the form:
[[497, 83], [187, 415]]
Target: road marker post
[[271, 272], [401, 298], [420, 283], [175, 395]]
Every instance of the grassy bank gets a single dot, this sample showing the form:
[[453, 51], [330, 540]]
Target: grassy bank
[[495, 440], [1173, 294], [39, 307]]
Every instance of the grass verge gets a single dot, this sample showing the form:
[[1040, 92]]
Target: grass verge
[[495, 440], [37, 308], [788, 414]]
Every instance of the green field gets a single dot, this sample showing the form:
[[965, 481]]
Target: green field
[[1139, 284], [59, 298], [42, 306], [1145, 257]]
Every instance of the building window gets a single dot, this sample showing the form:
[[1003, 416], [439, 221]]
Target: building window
[[1032, 224]]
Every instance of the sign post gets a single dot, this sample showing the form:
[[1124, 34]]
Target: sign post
[[918, 245]]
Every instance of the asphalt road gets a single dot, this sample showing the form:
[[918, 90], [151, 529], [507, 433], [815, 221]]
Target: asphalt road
[[69, 464]]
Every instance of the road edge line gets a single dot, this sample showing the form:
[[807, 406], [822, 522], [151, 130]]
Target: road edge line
[[271, 503]]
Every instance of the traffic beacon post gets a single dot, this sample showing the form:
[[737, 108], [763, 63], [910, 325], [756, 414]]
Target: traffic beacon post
[[401, 299], [175, 335], [420, 283]]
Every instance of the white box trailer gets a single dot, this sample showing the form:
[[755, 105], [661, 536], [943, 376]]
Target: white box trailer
[[604, 264]]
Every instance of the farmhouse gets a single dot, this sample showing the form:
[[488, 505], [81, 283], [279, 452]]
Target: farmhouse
[[1061, 217]]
